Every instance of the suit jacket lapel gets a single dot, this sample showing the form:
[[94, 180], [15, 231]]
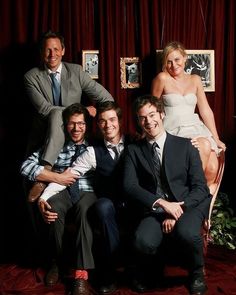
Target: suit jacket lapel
[[168, 155], [147, 153], [45, 85], [65, 78]]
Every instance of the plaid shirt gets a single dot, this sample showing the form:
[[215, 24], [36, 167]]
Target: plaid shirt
[[31, 167]]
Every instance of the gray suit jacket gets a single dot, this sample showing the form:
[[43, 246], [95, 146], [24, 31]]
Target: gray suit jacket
[[74, 81], [183, 171]]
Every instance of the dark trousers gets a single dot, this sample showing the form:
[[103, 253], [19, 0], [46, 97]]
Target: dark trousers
[[61, 203], [149, 237], [103, 218]]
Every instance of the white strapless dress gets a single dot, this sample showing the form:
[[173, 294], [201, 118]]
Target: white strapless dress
[[181, 119]]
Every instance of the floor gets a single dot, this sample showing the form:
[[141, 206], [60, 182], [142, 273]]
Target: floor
[[220, 276]]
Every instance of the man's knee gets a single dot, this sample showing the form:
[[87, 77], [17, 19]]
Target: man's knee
[[143, 246], [104, 208], [55, 115], [187, 236], [57, 206]]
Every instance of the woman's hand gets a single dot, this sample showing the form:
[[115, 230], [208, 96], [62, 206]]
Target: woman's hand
[[221, 145]]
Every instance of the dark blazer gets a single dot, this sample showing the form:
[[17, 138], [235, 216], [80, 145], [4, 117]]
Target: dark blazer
[[74, 81], [183, 171]]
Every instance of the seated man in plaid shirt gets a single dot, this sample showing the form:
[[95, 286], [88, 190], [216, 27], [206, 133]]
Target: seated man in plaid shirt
[[55, 208]]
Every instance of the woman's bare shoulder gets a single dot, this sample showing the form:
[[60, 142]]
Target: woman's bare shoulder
[[195, 78], [162, 76]]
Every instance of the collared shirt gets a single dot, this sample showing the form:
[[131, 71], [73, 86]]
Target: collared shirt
[[87, 161], [119, 147], [161, 142], [84, 163], [58, 73], [31, 167]]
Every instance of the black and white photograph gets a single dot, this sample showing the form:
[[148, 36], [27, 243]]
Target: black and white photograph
[[201, 62], [90, 62], [130, 72]]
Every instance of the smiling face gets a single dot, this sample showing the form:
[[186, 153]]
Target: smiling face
[[109, 125], [76, 128], [52, 53], [175, 63], [150, 120]]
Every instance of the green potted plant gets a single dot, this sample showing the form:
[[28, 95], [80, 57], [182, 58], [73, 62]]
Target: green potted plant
[[223, 223]]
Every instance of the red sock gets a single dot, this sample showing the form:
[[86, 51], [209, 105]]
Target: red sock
[[81, 274]]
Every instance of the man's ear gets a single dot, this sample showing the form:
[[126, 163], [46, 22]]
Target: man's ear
[[162, 115], [63, 51]]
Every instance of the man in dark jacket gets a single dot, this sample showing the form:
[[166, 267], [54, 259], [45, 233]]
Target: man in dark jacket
[[163, 177]]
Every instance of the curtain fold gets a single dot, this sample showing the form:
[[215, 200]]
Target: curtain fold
[[126, 28]]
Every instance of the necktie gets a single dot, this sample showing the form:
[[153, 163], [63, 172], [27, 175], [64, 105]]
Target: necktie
[[56, 89], [74, 188], [157, 166], [79, 149], [114, 148]]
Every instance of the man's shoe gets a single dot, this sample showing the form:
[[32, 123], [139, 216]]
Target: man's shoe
[[107, 289], [81, 287], [36, 191], [142, 287], [52, 276], [139, 286], [197, 285]]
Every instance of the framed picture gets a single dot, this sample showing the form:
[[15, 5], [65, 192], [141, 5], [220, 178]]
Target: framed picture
[[200, 62], [130, 69], [90, 62]]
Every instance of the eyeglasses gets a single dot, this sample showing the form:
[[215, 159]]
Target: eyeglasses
[[73, 124]]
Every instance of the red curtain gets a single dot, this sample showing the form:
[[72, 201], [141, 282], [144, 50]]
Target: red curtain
[[126, 28]]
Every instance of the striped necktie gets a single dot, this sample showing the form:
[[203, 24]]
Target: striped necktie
[[56, 89], [157, 166], [74, 188]]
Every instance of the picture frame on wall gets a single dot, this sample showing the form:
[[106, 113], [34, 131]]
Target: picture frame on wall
[[202, 63], [130, 70], [90, 62]]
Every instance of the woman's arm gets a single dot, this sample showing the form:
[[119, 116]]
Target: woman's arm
[[158, 84], [206, 112]]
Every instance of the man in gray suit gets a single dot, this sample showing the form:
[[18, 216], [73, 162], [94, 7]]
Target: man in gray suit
[[52, 87], [164, 180]]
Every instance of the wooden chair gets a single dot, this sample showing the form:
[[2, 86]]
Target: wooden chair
[[207, 224]]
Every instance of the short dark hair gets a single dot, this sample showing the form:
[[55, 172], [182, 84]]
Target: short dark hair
[[50, 34], [107, 106], [75, 108], [145, 99], [142, 101]]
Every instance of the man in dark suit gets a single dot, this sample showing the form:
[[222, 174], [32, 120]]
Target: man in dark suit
[[164, 179], [52, 87]]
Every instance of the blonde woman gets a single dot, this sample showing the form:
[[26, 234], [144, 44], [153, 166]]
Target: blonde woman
[[181, 93]]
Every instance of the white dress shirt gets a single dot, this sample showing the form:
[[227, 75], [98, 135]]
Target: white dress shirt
[[83, 164]]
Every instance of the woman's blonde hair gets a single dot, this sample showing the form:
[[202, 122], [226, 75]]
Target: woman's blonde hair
[[171, 46]]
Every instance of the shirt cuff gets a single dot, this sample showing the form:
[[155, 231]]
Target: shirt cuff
[[51, 190], [37, 172], [156, 205]]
